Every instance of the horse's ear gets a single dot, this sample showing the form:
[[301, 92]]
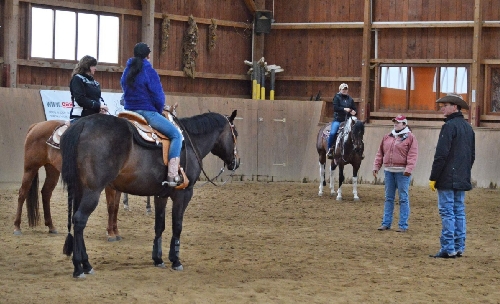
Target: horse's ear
[[233, 115]]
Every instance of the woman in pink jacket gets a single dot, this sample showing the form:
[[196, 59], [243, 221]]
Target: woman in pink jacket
[[398, 152]]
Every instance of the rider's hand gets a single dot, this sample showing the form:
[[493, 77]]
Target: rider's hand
[[407, 174], [432, 185], [347, 110], [375, 173], [353, 112]]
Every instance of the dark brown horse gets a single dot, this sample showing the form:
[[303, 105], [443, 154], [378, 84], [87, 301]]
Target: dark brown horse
[[349, 149], [99, 151], [38, 154]]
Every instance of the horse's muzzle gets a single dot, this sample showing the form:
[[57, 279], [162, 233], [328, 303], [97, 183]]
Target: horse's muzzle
[[234, 164]]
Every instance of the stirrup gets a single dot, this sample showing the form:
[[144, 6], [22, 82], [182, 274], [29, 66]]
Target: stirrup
[[173, 181], [329, 154]]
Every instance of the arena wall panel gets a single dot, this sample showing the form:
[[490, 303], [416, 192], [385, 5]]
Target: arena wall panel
[[276, 139]]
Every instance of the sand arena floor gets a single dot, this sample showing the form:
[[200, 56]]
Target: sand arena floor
[[249, 242]]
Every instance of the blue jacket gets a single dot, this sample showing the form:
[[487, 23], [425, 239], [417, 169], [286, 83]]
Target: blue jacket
[[147, 93], [455, 155]]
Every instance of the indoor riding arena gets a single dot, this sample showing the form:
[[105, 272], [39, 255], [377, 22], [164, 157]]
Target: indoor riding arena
[[261, 233]]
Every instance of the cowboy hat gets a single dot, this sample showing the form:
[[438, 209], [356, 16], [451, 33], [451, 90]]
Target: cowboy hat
[[454, 99]]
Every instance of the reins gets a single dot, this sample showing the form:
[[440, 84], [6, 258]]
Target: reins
[[195, 150]]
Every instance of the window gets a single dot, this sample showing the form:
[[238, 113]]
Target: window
[[416, 88], [70, 35]]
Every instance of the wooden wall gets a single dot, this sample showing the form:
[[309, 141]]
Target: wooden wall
[[319, 43], [220, 71]]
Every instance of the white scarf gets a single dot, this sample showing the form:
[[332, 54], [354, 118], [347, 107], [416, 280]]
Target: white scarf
[[402, 132]]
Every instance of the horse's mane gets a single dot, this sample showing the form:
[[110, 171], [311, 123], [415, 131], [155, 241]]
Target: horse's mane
[[359, 128], [203, 123]]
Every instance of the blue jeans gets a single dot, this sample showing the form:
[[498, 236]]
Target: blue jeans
[[395, 181], [452, 211], [333, 131], [160, 123]]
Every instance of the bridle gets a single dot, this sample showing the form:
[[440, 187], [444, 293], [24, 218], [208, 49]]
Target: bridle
[[200, 162]]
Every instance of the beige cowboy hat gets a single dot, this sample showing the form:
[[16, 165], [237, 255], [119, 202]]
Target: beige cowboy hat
[[454, 99]]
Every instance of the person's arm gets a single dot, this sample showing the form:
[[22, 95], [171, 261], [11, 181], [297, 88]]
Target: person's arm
[[336, 104], [156, 89], [442, 150], [412, 156], [77, 88], [379, 158]]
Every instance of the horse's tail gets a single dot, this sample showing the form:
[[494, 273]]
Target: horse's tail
[[341, 176], [32, 203], [70, 175]]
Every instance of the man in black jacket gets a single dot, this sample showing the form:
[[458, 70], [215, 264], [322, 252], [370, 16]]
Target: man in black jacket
[[451, 175]]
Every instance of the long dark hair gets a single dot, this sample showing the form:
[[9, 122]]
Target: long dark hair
[[141, 51], [83, 66]]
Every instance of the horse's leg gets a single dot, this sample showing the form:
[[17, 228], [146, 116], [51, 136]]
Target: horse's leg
[[125, 202], [87, 205], [180, 202], [160, 206], [51, 179], [341, 180], [332, 178], [113, 204], [148, 205], [321, 178], [355, 183], [29, 189]]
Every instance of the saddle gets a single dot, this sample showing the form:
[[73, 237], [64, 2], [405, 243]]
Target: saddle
[[147, 132], [55, 139]]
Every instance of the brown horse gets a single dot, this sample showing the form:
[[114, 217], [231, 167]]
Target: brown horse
[[37, 154], [349, 149]]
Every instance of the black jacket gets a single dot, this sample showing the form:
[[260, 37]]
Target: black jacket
[[341, 101], [455, 154], [85, 94]]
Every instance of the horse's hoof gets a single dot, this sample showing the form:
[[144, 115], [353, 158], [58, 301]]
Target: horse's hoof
[[112, 239], [178, 268], [18, 232], [126, 207], [53, 231], [320, 194], [148, 211], [162, 265], [79, 276], [119, 238], [91, 271], [339, 198], [356, 199]]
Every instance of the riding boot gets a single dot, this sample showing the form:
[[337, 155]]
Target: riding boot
[[173, 177]]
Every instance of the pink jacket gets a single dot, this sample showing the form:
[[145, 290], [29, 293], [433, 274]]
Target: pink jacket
[[399, 151]]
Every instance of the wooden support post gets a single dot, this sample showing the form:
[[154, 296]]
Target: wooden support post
[[11, 23], [476, 96], [365, 61], [148, 25]]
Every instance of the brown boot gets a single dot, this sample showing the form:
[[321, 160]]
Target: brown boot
[[173, 177]]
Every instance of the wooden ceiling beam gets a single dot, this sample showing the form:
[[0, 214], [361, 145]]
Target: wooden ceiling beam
[[251, 6]]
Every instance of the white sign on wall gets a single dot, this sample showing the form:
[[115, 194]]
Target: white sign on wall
[[57, 104]]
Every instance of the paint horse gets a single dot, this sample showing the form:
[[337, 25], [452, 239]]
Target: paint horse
[[100, 150], [349, 149]]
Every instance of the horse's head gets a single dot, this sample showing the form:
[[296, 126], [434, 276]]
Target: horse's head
[[225, 148], [357, 132]]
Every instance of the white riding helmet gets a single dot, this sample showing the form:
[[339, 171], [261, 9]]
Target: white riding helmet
[[343, 86]]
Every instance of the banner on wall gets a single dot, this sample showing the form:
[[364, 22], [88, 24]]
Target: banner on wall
[[57, 104]]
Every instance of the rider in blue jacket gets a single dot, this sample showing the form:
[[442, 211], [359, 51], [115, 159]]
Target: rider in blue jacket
[[143, 93]]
